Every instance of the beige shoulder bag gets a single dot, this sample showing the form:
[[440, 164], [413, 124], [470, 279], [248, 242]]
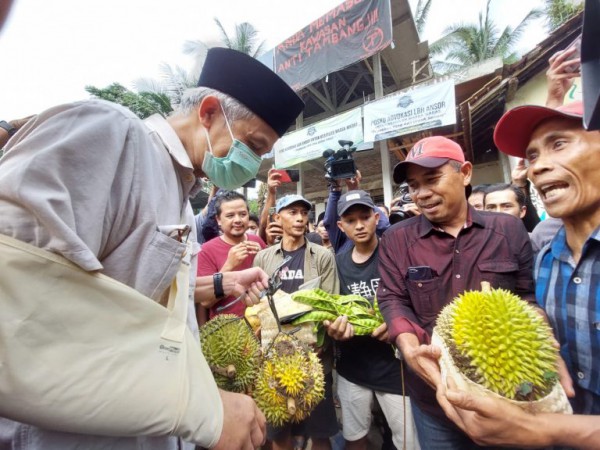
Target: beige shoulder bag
[[81, 352]]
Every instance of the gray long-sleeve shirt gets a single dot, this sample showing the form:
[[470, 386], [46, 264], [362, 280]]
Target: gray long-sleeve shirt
[[93, 183]]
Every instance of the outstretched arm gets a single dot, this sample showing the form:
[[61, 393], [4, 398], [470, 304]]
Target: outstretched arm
[[492, 421]]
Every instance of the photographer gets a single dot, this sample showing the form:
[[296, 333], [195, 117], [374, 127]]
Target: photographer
[[337, 237], [403, 206]]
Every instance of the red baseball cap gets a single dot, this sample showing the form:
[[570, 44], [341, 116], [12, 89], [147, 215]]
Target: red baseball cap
[[514, 129], [434, 151]]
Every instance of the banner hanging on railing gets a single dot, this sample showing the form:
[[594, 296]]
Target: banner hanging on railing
[[420, 109], [310, 142], [350, 32]]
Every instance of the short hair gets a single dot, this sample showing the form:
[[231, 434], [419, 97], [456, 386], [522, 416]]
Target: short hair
[[480, 188], [506, 187], [456, 165], [254, 218], [234, 110], [321, 217], [228, 196]]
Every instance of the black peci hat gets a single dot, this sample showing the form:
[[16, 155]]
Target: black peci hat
[[254, 85]]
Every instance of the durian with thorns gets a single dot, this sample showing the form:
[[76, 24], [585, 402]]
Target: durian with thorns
[[290, 382], [232, 352], [499, 341]]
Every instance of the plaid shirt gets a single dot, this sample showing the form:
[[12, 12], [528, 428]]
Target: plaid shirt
[[570, 294]]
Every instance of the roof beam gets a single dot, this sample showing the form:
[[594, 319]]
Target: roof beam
[[320, 99], [351, 89]]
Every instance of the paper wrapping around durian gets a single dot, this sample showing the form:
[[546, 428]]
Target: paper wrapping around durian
[[285, 307], [555, 402]]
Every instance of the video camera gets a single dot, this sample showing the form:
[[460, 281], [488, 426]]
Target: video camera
[[405, 198], [340, 164]]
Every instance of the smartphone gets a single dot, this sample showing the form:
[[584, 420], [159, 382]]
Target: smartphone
[[288, 175], [420, 273], [271, 212], [576, 55]]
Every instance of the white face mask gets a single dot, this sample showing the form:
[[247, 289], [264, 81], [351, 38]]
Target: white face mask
[[239, 166]]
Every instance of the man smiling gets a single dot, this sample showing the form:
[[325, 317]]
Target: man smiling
[[426, 261], [564, 163]]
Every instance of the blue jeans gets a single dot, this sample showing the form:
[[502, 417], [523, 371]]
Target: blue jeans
[[435, 435]]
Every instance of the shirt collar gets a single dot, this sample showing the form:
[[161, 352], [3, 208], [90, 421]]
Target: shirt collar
[[279, 245], [473, 218], [173, 144], [561, 251]]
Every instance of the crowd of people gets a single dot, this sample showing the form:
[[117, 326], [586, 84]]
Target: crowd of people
[[91, 186]]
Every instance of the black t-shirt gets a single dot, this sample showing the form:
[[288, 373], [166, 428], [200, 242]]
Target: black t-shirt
[[364, 360], [292, 275]]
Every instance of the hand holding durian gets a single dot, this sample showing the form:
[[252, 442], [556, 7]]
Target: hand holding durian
[[495, 343]]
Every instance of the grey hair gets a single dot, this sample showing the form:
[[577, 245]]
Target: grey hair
[[192, 98], [456, 165]]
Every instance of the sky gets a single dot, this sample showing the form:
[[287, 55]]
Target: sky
[[51, 49]]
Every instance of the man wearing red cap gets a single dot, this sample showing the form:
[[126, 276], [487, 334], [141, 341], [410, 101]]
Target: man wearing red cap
[[428, 260], [564, 163]]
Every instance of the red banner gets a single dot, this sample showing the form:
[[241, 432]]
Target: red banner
[[350, 32]]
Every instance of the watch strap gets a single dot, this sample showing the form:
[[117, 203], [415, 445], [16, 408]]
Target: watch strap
[[218, 285], [8, 127]]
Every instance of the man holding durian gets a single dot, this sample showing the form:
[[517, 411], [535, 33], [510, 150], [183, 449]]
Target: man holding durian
[[564, 163], [427, 261]]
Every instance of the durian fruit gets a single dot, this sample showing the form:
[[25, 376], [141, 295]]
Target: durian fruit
[[290, 383], [232, 352], [252, 316], [499, 342]]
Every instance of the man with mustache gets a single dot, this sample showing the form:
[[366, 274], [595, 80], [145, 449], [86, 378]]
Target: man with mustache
[[428, 260], [564, 162]]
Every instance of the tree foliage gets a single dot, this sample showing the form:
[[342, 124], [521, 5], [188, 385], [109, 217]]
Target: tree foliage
[[143, 104], [172, 84], [423, 7], [466, 44], [559, 11]]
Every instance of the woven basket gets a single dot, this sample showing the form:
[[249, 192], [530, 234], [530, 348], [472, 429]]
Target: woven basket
[[555, 402]]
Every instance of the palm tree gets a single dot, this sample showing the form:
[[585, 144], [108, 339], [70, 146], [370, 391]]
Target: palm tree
[[174, 81], [559, 11], [466, 44], [421, 14], [245, 40]]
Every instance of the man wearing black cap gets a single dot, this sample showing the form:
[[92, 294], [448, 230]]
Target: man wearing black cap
[[564, 162], [426, 261], [366, 365], [109, 192]]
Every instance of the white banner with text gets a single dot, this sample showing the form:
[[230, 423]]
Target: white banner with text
[[420, 109], [310, 142]]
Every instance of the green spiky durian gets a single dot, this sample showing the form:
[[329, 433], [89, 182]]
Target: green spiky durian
[[290, 382], [500, 342], [232, 352]]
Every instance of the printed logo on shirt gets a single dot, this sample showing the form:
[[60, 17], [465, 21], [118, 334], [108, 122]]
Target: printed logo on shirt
[[289, 274], [363, 289]]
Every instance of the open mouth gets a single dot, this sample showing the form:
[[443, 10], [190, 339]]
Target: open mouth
[[551, 190]]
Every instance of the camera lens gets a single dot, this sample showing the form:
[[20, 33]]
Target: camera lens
[[406, 198], [399, 216]]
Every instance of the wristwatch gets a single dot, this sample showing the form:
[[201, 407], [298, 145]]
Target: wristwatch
[[8, 127], [218, 285]]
